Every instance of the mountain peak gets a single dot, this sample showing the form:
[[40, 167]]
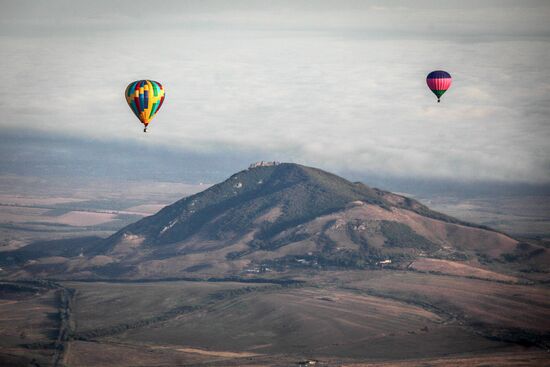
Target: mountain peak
[[286, 215], [288, 194], [280, 215], [233, 206]]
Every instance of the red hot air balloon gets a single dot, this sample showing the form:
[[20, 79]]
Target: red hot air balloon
[[439, 81]]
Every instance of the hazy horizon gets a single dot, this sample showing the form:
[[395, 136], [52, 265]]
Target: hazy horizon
[[336, 85]]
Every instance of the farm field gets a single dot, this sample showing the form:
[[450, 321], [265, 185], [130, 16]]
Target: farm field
[[490, 307], [525, 216], [509, 359], [33, 209], [338, 318], [100, 306], [333, 317], [458, 269], [29, 324]]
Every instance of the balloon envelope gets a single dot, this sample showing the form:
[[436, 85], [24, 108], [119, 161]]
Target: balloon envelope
[[439, 81], [145, 98]]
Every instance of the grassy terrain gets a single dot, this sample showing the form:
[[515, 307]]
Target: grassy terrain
[[29, 324], [521, 216], [511, 312], [41, 209], [521, 358], [458, 269], [312, 322], [336, 317], [101, 306]]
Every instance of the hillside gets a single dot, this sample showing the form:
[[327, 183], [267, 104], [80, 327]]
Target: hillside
[[300, 193], [279, 264], [276, 217]]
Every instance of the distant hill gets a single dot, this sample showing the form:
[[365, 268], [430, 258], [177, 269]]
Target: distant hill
[[234, 206], [275, 217]]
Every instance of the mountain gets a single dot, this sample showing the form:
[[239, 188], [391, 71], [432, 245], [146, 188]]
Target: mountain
[[297, 193], [275, 217], [280, 263]]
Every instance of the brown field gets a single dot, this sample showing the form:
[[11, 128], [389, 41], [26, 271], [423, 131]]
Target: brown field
[[521, 215], [106, 354], [37, 215], [75, 188], [471, 301], [18, 200], [521, 358], [326, 322], [101, 305], [146, 209], [28, 325], [20, 214], [458, 269], [384, 317], [119, 354], [215, 353], [77, 218], [20, 226], [25, 203]]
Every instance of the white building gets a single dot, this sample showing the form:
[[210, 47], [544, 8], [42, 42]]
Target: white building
[[263, 164]]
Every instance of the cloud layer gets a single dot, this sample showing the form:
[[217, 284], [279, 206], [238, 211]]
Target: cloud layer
[[323, 83]]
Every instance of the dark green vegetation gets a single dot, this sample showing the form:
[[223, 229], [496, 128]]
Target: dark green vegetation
[[400, 235], [303, 193]]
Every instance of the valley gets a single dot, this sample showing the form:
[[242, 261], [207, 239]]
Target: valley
[[276, 266], [335, 317]]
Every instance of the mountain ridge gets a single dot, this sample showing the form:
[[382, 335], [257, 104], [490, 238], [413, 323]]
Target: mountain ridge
[[183, 218], [283, 216]]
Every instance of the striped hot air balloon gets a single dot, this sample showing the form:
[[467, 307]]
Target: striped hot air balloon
[[145, 98], [439, 81]]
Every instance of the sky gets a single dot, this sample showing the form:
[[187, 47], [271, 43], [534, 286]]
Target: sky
[[338, 85]]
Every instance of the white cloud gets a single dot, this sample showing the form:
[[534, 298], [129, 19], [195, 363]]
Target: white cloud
[[336, 88]]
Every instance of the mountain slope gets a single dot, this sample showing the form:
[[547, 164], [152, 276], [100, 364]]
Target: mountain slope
[[302, 193], [287, 215], [284, 216]]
